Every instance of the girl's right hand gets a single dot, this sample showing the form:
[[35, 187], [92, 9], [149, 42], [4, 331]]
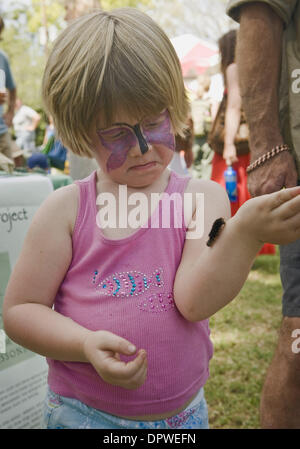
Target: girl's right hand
[[273, 218], [102, 349]]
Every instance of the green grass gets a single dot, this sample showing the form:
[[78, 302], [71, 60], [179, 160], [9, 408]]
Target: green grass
[[244, 334]]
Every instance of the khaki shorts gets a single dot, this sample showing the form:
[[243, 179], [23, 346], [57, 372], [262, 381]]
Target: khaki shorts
[[8, 147]]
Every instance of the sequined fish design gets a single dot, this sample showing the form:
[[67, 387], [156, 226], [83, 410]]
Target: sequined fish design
[[135, 284]]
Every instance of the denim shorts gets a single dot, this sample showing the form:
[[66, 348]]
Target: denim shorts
[[66, 413], [290, 278]]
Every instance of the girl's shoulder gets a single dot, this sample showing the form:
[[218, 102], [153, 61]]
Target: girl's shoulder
[[61, 206], [214, 196], [206, 186]]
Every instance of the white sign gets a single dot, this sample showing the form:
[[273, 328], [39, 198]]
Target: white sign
[[23, 374]]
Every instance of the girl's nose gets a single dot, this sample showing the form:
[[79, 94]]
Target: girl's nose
[[135, 151], [141, 139]]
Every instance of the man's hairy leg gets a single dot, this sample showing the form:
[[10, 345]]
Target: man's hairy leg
[[280, 400]]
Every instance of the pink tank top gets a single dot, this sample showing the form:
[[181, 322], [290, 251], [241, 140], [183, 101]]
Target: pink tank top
[[125, 286]]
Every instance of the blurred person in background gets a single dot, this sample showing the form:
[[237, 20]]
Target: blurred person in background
[[227, 44], [201, 113], [268, 59], [7, 95], [25, 122], [215, 93], [183, 155], [230, 157], [201, 106]]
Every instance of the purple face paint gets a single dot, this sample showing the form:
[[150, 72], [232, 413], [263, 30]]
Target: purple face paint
[[118, 140], [159, 131], [121, 137]]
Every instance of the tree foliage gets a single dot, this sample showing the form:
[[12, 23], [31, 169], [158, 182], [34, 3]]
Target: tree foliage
[[206, 18], [54, 11], [25, 21], [24, 41], [27, 64], [111, 4]]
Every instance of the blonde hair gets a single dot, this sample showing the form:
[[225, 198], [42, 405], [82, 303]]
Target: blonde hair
[[107, 62]]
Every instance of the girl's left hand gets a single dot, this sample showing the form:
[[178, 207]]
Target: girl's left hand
[[229, 153]]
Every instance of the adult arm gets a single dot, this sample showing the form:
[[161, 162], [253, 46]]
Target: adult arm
[[259, 63], [232, 114]]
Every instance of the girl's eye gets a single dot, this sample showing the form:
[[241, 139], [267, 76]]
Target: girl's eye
[[155, 122], [118, 135], [114, 136], [152, 125]]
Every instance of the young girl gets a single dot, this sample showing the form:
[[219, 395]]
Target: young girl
[[127, 341]]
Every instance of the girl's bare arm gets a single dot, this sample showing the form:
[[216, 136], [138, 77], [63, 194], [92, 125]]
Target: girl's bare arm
[[27, 310], [43, 262], [208, 278]]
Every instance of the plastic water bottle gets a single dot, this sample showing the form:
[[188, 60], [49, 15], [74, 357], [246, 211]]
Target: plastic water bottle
[[231, 183]]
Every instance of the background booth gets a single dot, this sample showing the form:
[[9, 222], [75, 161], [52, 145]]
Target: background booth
[[23, 374]]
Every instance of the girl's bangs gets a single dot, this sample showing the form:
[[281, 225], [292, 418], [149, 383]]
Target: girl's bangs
[[133, 106], [126, 91]]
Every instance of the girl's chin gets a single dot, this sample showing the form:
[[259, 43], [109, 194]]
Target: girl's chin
[[134, 176]]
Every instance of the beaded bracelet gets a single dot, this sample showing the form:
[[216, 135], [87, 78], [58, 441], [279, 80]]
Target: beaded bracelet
[[265, 157]]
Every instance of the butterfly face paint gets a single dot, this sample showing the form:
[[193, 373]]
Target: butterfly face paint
[[121, 137]]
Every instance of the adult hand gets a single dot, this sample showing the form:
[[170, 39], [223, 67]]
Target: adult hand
[[229, 153], [273, 218], [103, 349], [278, 172]]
